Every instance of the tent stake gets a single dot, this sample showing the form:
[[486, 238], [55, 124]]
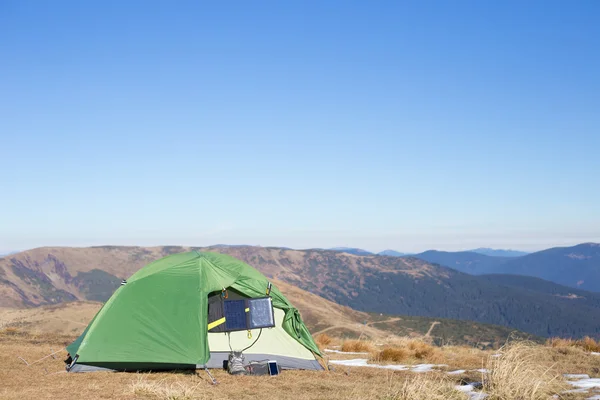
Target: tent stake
[[212, 378]]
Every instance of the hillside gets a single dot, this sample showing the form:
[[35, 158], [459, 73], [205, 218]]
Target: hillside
[[319, 314], [576, 266], [464, 261], [388, 285]]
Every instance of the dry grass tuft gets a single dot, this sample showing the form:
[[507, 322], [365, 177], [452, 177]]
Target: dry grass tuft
[[164, 390], [357, 346], [323, 340], [407, 349], [395, 354], [522, 371], [425, 386], [421, 349], [587, 343]]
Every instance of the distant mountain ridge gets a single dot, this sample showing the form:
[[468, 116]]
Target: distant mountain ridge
[[392, 253], [352, 250], [464, 261], [576, 266], [499, 252], [361, 252]]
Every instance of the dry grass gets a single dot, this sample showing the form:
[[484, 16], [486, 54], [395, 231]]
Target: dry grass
[[407, 350], [395, 354], [357, 346], [323, 340], [421, 350], [425, 387], [165, 390], [525, 373], [586, 344], [522, 371]]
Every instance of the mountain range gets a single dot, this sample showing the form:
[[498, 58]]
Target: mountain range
[[377, 284], [576, 266], [483, 250]]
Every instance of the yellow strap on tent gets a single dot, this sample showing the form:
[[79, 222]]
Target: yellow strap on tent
[[216, 323]]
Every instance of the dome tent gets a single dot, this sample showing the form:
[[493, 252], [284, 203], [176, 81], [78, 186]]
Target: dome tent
[[158, 319]]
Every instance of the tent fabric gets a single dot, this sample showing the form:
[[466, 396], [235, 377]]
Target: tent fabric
[[160, 315]]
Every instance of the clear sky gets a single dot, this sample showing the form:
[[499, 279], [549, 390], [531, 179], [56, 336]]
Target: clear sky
[[404, 124]]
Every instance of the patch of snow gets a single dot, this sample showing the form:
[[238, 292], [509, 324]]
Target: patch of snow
[[594, 353], [482, 370], [497, 355], [477, 395], [576, 391], [586, 383], [426, 367], [457, 372], [470, 391], [363, 362], [576, 376], [465, 388], [342, 352]]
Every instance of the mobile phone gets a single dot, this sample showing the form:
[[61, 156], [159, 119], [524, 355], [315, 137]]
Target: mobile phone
[[273, 368]]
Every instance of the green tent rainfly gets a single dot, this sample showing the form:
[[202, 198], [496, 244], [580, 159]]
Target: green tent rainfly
[[158, 319]]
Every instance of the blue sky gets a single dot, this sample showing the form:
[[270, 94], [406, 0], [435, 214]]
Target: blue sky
[[404, 125]]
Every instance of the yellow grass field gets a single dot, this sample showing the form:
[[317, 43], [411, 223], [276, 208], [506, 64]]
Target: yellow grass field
[[520, 370]]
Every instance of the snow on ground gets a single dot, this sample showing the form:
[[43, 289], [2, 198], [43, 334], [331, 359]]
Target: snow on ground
[[426, 367], [470, 391], [341, 352], [586, 383], [363, 362], [576, 376], [457, 372], [583, 383]]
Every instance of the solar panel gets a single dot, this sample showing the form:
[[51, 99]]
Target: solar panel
[[235, 315], [261, 313]]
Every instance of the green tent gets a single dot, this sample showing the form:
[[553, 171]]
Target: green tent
[[160, 319]]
